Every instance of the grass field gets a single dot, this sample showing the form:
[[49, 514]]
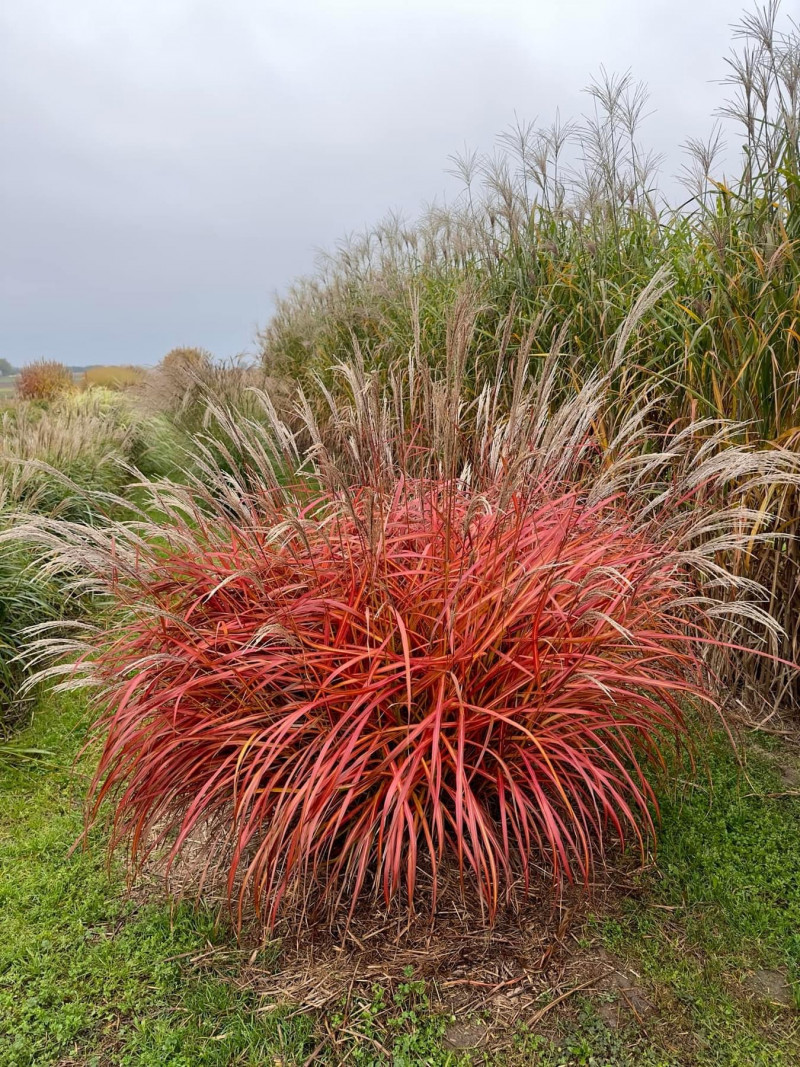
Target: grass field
[[703, 955]]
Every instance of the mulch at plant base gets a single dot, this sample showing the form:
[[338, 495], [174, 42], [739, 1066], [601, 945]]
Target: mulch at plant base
[[531, 967], [514, 970], [466, 965], [489, 979]]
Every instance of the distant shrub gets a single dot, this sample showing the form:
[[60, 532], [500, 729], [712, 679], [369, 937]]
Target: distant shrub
[[182, 364], [44, 380], [174, 384], [116, 378]]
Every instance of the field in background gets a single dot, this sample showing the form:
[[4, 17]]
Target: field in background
[[110, 376]]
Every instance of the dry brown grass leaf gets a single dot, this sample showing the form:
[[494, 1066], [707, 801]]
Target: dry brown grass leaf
[[526, 963]]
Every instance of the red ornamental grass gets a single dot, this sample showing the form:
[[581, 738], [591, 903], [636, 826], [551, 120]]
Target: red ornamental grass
[[394, 684]]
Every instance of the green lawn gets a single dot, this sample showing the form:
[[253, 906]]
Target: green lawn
[[89, 975]]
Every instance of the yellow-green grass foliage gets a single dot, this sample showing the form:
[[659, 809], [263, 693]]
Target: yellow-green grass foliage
[[116, 378]]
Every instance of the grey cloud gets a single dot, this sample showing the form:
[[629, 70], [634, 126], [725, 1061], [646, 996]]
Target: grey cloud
[[167, 166]]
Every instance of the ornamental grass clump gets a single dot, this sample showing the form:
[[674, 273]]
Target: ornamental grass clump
[[393, 684], [46, 379], [436, 653]]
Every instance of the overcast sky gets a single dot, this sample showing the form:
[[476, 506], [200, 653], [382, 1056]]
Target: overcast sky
[[167, 166]]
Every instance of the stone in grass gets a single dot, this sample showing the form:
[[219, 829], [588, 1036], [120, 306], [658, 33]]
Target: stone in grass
[[465, 1034], [772, 986], [787, 767], [790, 776], [626, 999]]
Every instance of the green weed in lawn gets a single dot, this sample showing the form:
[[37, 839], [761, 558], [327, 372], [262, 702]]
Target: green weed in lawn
[[722, 909]]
